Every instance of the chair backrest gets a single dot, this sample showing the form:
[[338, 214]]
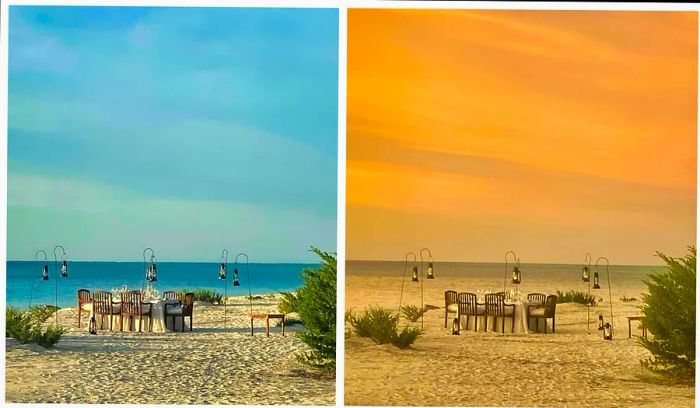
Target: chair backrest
[[131, 302], [495, 304], [467, 303], [537, 297], [84, 296], [172, 295], [102, 302], [187, 303], [550, 305], [450, 297]]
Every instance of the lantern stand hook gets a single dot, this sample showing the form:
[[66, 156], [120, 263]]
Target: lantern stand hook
[[430, 260], [153, 255], [224, 260], [36, 260], [55, 274], [405, 268], [247, 271], [607, 272], [588, 259]]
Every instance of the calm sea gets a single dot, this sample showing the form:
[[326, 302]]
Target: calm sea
[[625, 280], [24, 279]]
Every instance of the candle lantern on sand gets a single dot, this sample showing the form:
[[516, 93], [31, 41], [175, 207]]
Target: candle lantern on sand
[[607, 331], [92, 327], [600, 322], [455, 326]]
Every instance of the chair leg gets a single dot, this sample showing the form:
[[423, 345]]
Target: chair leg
[[182, 328], [554, 319], [512, 324], [79, 315], [282, 324], [445, 316], [545, 325]]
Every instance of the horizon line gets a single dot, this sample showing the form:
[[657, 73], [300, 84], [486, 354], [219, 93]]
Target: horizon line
[[501, 262], [157, 262]]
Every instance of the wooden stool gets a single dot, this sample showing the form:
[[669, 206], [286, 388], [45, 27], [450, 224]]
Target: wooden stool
[[629, 326], [267, 317]]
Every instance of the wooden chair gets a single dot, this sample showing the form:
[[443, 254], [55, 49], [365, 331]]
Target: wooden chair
[[538, 300], [546, 312], [172, 295], [468, 306], [182, 310], [450, 304], [104, 306], [133, 306], [497, 307], [84, 298]]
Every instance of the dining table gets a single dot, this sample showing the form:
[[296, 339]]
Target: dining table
[[520, 324], [157, 314]]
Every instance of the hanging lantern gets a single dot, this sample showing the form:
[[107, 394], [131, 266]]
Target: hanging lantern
[[600, 322], [92, 327], [516, 276], [596, 282], [64, 269], [607, 331], [430, 271], [45, 272], [455, 326], [585, 275], [222, 271], [235, 277], [414, 276], [152, 271]]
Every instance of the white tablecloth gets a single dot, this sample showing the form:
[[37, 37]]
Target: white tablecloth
[[520, 325], [157, 314]]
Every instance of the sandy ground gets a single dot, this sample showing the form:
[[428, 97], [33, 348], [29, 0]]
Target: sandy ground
[[567, 369], [210, 365]]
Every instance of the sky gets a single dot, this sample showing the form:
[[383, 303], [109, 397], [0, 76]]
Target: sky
[[187, 130], [549, 133]]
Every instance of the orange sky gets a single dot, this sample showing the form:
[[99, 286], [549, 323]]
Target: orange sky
[[550, 133]]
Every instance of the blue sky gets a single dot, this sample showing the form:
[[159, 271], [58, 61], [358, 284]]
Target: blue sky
[[185, 129]]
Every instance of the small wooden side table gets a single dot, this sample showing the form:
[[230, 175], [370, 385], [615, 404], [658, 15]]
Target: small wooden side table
[[629, 326], [267, 317]]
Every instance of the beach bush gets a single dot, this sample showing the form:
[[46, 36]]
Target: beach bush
[[25, 327], [407, 337], [315, 303], [380, 325], [413, 313], [205, 295], [42, 313], [669, 312], [288, 302], [576, 297]]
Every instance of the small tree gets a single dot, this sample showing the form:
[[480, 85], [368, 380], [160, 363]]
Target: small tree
[[316, 302], [669, 312]]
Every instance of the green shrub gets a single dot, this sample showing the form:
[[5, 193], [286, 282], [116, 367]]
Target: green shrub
[[413, 313], [42, 313], [205, 295], [377, 323], [315, 302], [288, 302], [576, 297], [289, 321], [626, 299], [380, 325], [669, 312], [407, 337], [25, 327]]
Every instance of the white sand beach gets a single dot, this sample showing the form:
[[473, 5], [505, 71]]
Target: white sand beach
[[211, 365], [569, 368]]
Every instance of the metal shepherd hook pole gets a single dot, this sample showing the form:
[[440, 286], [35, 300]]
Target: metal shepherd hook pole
[[250, 293], [222, 275], [36, 261], [587, 269], [405, 269], [430, 258], [145, 268], [55, 273], [505, 277], [607, 272]]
